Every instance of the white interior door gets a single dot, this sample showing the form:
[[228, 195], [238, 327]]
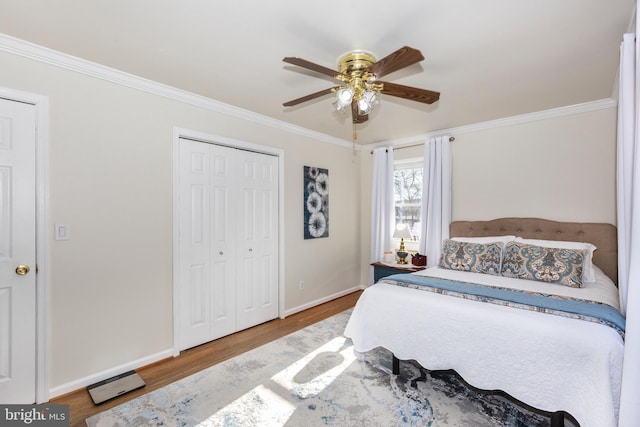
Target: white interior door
[[257, 239], [17, 252]]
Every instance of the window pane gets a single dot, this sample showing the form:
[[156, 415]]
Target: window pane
[[408, 196]]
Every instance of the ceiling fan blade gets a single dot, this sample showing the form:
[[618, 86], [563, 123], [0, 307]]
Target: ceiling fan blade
[[411, 93], [309, 97], [401, 58], [311, 66], [356, 117]]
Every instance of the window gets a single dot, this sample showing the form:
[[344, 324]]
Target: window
[[407, 184]]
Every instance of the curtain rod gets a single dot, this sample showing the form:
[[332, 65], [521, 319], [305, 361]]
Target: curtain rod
[[451, 139]]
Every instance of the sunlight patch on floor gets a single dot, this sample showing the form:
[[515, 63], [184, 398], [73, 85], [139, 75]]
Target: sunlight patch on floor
[[264, 407], [313, 387], [259, 406]]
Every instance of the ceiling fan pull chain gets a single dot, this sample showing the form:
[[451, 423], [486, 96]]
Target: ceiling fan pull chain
[[355, 136]]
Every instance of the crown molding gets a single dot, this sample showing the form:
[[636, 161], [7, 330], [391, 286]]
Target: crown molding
[[601, 104], [58, 59]]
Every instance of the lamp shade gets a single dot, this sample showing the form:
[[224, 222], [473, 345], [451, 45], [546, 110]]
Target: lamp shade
[[402, 232]]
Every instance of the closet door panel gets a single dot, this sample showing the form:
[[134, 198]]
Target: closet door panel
[[247, 251], [258, 239], [198, 292], [223, 246], [268, 284], [194, 244]]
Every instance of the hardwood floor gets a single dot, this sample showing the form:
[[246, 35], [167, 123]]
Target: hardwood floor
[[198, 358]]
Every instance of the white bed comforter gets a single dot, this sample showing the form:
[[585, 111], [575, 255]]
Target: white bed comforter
[[549, 362]]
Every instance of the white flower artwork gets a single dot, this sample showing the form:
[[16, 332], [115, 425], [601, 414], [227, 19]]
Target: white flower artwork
[[316, 202]]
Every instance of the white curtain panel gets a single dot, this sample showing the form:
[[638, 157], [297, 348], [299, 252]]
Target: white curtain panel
[[436, 198], [626, 157], [382, 211], [628, 196]]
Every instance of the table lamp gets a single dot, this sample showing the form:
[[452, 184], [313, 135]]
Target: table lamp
[[402, 231]]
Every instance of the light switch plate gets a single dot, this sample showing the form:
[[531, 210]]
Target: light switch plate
[[61, 231]]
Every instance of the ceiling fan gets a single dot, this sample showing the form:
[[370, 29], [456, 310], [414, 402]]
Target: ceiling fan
[[359, 73]]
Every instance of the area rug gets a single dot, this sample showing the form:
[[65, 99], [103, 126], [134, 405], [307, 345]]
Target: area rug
[[312, 378]]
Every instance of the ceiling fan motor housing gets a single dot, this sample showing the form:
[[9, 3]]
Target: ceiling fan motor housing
[[355, 62], [354, 67]]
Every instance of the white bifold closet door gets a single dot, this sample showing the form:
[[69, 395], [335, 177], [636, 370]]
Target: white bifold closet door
[[228, 243]]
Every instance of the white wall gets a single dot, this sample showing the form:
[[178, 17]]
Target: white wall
[[560, 168], [110, 179]]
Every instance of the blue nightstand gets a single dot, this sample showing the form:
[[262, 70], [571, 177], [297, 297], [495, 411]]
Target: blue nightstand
[[381, 270]]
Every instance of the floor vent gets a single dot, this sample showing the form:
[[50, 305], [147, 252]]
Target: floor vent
[[115, 386]]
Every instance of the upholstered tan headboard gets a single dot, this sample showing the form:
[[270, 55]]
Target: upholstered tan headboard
[[603, 236]]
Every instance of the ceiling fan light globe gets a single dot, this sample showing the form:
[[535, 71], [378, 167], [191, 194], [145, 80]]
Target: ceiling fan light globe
[[364, 106], [344, 95], [371, 97], [368, 100]]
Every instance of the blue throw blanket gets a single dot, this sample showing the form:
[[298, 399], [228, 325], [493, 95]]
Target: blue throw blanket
[[553, 304]]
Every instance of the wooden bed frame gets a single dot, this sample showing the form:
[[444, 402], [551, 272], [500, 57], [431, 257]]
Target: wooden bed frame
[[603, 236]]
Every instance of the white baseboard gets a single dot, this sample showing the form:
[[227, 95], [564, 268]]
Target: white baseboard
[[303, 307], [100, 376]]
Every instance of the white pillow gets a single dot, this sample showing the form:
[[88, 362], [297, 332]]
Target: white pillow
[[588, 273], [485, 239]]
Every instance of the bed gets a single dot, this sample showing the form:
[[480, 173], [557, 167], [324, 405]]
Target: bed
[[552, 362]]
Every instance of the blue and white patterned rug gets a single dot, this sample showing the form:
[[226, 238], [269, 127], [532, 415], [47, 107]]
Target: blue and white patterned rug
[[312, 378]]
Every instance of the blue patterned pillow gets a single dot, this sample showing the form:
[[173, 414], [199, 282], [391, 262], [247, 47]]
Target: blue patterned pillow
[[555, 265], [473, 257]]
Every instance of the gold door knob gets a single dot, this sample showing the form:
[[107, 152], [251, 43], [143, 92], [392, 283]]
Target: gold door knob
[[22, 269]]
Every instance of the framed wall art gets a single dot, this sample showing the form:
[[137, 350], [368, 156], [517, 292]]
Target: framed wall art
[[316, 202]]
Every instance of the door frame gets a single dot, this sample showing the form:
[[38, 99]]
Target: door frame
[[43, 323], [234, 143]]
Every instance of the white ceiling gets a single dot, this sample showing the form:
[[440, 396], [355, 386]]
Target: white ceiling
[[489, 59]]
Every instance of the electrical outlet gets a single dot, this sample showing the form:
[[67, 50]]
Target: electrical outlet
[[301, 285]]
